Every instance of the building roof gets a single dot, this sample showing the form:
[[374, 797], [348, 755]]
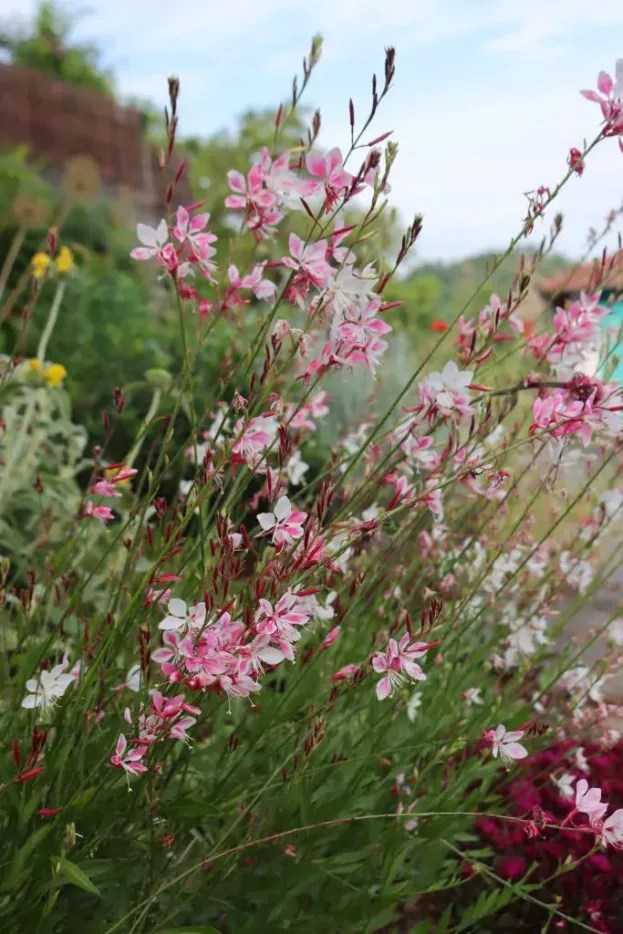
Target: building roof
[[585, 278]]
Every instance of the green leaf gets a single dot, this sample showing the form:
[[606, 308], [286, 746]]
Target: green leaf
[[23, 855], [73, 874]]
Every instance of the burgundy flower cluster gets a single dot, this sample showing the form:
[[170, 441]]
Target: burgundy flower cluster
[[589, 887]]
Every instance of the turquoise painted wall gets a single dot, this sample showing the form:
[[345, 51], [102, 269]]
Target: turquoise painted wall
[[615, 319]]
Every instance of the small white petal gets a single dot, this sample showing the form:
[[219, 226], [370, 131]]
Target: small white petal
[[445, 400], [283, 508], [177, 607], [170, 623], [271, 656], [266, 520], [147, 235], [162, 232]]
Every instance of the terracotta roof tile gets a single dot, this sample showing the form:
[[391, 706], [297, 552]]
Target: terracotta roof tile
[[583, 278]]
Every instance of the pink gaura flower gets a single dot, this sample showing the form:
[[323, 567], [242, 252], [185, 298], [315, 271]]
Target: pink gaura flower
[[505, 744], [330, 170], [169, 707], [285, 523], [330, 638], [419, 449], [103, 513], [285, 184], [432, 498], [588, 801], [412, 823], [280, 622], [189, 230], [348, 671], [124, 473], [610, 100], [239, 682], [154, 595], [310, 260], [260, 652], [263, 289], [130, 761], [105, 488], [398, 657], [179, 728], [302, 418], [248, 192], [253, 439]]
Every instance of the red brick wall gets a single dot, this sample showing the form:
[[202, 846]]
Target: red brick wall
[[58, 121]]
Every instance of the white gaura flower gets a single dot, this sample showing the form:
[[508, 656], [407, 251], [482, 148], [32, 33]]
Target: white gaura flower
[[564, 783], [183, 618], [472, 696], [448, 389], [134, 679], [47, 687], [505, 744], [415, 702], [296, 468], [615, 631], [349, 287], [371, 513], [580, 759], [579, 572], [325, 612]]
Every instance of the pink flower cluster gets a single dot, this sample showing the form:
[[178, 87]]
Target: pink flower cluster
[[164, 719], [576, 330], [445, 395], [195, 245], [108, 488], [216, 653], [397, 658], [223, 654], [580, 408], [273, 184]]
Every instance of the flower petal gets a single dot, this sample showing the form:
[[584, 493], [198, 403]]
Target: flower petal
[[383, 688], [283, 508], [266, 520], [177, 607]]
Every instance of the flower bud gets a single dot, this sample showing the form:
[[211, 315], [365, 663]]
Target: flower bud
[[159, 379]]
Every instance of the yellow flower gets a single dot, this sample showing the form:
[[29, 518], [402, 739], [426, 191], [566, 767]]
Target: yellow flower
[[54, 374], [111, 472], [35, 365], [40, 263], [64, 261]]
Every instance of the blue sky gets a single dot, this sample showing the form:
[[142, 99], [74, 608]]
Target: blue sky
[[485, 105]]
